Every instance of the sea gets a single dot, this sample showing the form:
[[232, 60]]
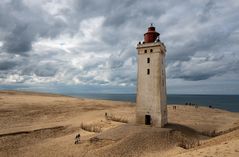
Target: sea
[[225, 102]]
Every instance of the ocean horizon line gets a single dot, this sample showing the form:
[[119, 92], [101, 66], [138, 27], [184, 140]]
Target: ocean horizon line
[[67, 93]]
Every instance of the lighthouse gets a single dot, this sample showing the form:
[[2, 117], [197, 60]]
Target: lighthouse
[[151, 106]]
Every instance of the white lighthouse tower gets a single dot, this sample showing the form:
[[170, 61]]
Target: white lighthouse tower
[[151, 107]]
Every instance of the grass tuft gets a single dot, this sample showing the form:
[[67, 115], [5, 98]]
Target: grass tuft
[[116, 118], [91, 127]]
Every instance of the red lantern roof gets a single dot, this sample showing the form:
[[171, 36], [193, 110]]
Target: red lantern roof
[[151, 35]]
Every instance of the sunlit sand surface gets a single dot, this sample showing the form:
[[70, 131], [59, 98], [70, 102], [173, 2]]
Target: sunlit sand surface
[[36, 124]]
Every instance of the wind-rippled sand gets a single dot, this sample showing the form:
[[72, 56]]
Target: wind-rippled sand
[[36, 124]]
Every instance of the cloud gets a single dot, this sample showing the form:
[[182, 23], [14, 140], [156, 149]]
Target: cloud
[[46, 70], [203, 68], [92, 43], [21, 25], [6, 65], [19, 40]]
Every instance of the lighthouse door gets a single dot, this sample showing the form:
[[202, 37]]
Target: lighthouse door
[[147, 119]]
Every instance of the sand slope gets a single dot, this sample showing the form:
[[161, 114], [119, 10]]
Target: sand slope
[[36, 124]]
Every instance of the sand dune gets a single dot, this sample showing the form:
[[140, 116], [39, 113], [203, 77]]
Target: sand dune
[[38, 124]]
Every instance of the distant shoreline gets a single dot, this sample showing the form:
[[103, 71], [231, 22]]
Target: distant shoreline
[[68, 94], [224, 102]]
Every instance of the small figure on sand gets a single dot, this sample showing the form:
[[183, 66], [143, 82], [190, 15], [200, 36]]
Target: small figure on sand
[[174, 107], [77, 139], [191, 104], [106, 116]]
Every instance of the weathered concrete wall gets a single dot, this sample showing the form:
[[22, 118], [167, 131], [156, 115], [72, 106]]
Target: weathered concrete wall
[[151, 88]]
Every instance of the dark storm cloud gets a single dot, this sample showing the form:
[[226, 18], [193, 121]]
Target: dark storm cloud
[[203, 68], [19, 40], [41, 66], [208, 33], [7, 65], [9, 62], [21, 25], [46, 70], [121, 17]]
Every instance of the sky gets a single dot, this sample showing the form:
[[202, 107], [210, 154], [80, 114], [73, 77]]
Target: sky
[[89, 46]]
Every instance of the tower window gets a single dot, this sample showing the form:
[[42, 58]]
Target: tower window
[[151, 50], [148, 60], [145, 51], [148, 71]]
